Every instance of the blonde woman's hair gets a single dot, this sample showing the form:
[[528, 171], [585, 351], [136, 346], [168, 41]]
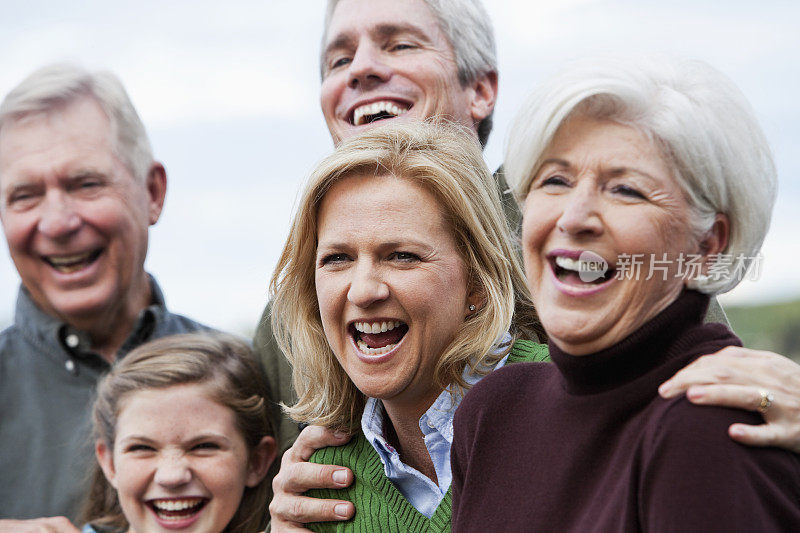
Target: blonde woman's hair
[[446, 161], [227, 368]]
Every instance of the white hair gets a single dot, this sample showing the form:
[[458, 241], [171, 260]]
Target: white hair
[[704, 126], [60, 84], [468, 28]]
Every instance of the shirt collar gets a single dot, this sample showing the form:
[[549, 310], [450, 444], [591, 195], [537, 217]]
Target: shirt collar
[[58, 338], [438, 417]]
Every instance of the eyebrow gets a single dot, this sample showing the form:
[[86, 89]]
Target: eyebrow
[[332, 246], [613, 171], [382, 31]]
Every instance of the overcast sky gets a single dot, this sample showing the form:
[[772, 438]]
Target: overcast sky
[[229, 94]]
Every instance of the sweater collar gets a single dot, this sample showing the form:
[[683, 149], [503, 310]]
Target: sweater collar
[[664, 337]]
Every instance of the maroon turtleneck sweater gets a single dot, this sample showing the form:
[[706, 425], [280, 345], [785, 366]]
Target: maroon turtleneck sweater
[[586, 444]]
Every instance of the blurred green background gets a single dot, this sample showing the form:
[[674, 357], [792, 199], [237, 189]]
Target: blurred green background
[[774, 327]]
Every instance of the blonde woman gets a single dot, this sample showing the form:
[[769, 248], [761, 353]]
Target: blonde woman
[[397, 290]]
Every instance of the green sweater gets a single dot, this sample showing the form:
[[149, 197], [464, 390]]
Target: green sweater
[[379, 505]]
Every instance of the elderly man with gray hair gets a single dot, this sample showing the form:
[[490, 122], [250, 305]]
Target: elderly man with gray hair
[[411, 60], [79, 189]]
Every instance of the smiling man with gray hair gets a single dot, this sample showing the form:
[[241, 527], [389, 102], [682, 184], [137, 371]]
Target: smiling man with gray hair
[[78, 191]]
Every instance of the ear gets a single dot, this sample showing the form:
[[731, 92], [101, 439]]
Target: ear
[[261, 459], [156, 183], [476, 296], [484, 96], [715, 240], [105, 457]]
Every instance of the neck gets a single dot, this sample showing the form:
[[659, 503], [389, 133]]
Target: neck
[[668, 335], [401, 430], [109, 328]]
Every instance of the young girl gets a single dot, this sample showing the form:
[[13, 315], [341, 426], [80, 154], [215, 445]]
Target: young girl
[[183, 438]]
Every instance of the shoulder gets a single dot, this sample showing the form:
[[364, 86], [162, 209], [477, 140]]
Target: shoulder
[[683, 422], [500, 393], [173, 323], [357, 451], [690, 465], [13, 347], [524, 351], [689, 445]]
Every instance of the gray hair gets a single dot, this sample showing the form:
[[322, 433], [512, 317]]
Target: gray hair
[[703, 125], [469, 31], [59, 84]]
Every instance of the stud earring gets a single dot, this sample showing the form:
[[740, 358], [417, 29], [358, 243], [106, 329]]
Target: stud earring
[[471, 307]]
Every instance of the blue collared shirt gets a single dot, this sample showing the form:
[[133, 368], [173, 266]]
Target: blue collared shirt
[[437, 427]]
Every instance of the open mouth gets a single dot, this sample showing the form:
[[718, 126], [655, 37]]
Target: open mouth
[[376, 111], [378, 338], [581, 272], [177, 509], [68, 264]]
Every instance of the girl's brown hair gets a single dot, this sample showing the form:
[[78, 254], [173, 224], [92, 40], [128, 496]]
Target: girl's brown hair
[[228, 369]]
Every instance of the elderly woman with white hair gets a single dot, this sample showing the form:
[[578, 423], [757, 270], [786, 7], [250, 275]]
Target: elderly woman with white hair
[[646, 187]]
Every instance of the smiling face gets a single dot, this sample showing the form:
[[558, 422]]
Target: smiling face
[[179, 461], [75, 218], [391, 286], [604, 190], [384, 58]]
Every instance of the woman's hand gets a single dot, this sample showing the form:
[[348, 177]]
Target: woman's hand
[[740, 377], [56, 524], [289, 509]]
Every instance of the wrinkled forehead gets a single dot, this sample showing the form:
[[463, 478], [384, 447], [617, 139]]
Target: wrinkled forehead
[[63, 133], [379, 19]]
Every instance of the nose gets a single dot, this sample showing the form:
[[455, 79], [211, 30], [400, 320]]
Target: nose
[[366, 286], [580, 215], [368, 68], [58, 218], [173, 471]]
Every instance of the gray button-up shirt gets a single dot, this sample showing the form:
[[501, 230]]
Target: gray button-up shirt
[[48, 375]]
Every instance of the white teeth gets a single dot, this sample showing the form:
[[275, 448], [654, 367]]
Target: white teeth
[[360, 113], [580, 266], [64, 260], [175, 505], [375, 351], [69, 263], [376, 327]]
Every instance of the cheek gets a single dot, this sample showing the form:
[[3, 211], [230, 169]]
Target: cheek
[[535, 223], [330, 300], [18, 228], [329, 93], [130, 479]]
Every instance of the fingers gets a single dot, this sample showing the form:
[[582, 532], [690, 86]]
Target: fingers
[[782, 416], [293, 513], [738, 396], [56, 524], [289, 509], [313, 438], [737, 366], [297, 478], [765, 435]]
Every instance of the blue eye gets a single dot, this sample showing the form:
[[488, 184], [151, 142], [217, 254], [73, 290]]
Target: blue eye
[[555, 181], [404, 257], [206, 446], [139, 448], [626, 190], [334, 259], [402, 46], [340, 62]]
